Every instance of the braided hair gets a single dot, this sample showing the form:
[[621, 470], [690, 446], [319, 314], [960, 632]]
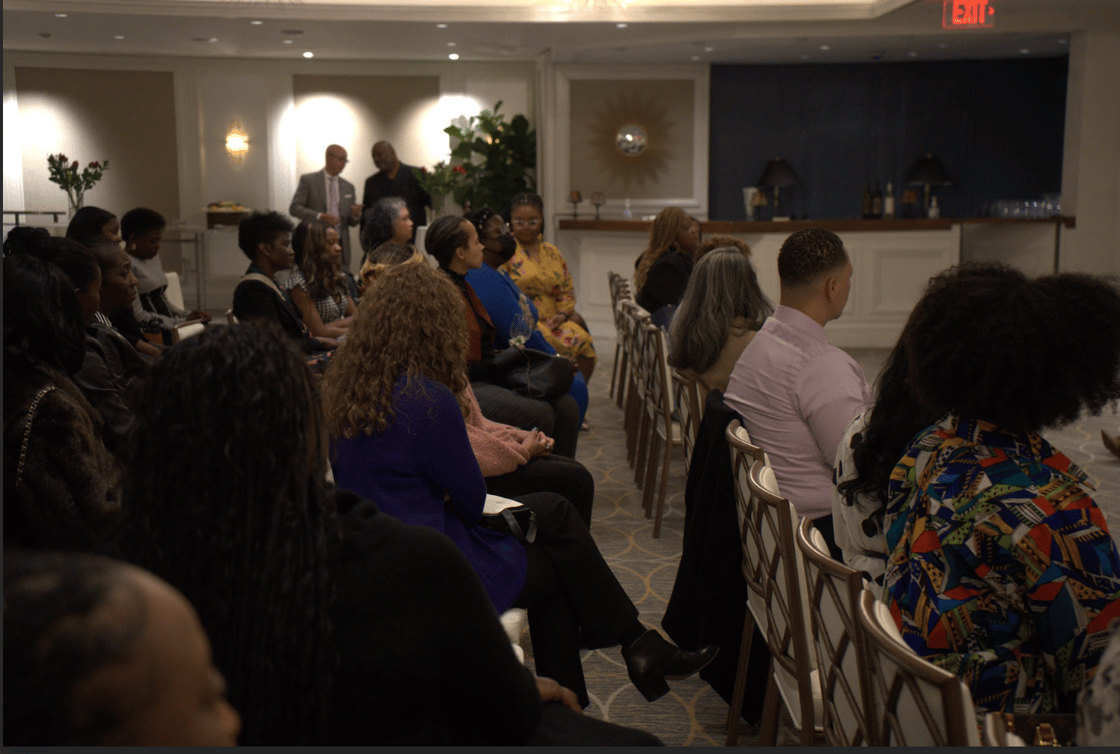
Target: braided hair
[[227, 491], [66, 616]]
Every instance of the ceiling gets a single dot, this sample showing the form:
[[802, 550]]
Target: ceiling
[[618, 32]]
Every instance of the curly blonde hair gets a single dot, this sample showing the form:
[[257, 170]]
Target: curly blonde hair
[[411, 323], [719, 242], [662, 240]]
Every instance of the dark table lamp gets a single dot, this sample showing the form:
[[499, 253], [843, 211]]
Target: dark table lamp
[[777, 175], [927, 171]]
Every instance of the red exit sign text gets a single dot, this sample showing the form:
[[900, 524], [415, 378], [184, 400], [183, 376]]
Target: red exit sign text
[[967, 14]]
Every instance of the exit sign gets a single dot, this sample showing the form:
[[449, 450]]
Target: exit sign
[[964, 14]]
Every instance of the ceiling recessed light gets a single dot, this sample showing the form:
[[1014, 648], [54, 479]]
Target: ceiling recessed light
[[804, 57], [1063, 41], [441, 26], [621, 26], [287, 41], [695, 57], [709, 49], [826, 48], [60, 15], [119, 36], [256, 23], [1024, 51], [308, 54], [450, 44], [912, 54], [454, 56]]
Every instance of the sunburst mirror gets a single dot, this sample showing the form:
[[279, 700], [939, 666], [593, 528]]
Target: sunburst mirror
[[631, 138]]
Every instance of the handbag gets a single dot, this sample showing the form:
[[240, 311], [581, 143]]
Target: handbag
[[519, 521], [532, 373]]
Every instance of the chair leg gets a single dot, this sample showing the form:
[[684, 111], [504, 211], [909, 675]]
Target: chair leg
[[771, 710], [650, 473], [662, 487], [738, 691], [642, 459], [614, 369], [623, 378]]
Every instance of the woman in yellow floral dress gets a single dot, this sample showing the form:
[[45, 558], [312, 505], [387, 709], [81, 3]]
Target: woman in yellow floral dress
[[541, 273]]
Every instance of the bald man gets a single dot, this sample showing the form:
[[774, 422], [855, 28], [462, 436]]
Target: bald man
[[327, 197], [393, 178]]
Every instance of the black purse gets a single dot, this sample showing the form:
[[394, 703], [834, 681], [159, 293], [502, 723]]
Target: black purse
[[532, 373], [518, 521]]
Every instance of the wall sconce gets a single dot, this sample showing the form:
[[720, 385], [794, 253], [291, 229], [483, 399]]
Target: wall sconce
[[237, 142]]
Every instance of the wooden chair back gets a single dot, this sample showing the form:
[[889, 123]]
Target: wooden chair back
[[833, 597], [686, 396], [913, 702]]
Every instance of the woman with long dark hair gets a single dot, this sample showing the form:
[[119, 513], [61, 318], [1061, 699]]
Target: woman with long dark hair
[[60, 482], [1000, 566], [333, 623], [395, 400], [317, 284], [663, 269]]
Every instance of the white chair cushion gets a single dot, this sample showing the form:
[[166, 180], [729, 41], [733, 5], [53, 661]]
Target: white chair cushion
[[513, 622], [787, 687]]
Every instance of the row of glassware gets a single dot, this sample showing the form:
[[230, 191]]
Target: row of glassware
[[1035, 209]]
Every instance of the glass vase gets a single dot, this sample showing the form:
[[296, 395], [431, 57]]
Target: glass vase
[[74, 202]]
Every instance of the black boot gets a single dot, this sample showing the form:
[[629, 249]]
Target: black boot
[[650, 660]]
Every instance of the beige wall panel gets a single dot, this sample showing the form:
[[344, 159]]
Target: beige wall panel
[[126, 117]]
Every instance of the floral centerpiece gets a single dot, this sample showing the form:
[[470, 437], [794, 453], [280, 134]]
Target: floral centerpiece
[[440, 181], [65, 174]]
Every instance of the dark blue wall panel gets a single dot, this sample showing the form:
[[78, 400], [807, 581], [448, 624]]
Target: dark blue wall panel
[[997, 126]]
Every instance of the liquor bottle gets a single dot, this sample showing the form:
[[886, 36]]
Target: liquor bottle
[[867, 202], [877, 203], [934, 210], [888, 202]]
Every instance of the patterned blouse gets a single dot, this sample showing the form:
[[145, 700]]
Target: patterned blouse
[[1001, 568], [330, 307], [549, 284]]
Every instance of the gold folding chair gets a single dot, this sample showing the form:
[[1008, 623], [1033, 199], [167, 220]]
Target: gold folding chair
[[635, 388], [913, 702], [686, 395], [834, 589], [659, 433], [776, 599]]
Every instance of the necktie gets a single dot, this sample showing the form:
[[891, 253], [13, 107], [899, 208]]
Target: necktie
[[332, 196]]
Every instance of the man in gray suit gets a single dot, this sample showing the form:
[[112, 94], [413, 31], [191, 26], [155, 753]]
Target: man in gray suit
[[328, 198]]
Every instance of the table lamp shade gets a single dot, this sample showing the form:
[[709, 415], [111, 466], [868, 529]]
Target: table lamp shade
[[928, 169], [777, 174]]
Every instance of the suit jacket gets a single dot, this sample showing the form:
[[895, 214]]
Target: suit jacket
[[709, 599], [311, 198]]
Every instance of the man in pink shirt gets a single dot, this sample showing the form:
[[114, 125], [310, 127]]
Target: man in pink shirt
[[796, 392]]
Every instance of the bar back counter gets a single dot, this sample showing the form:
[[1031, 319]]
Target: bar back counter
[[892, 260]]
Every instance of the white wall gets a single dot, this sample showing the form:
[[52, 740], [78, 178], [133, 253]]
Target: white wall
[[1091, 161]]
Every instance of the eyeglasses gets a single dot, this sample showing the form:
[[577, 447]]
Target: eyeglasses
[[527, 223]]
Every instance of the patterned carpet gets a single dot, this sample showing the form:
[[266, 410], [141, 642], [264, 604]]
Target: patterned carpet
[[692, 714]]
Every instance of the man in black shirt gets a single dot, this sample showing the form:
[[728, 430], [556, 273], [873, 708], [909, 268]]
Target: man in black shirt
[[394, 179]]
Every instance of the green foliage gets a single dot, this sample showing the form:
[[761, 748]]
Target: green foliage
[[66, 174], [498, 158]]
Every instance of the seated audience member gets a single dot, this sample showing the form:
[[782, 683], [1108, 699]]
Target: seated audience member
[[1000, 566], [60, 483], [663, 269], [266, 238], [540, 270], [117, 292], [394, 402], [100, 653], [720, 312], [317, 285], [720, 241], [103, 377], [453, 241], [507, 306], [385, 254], [1098, 710], [94, 222], [387, 220], [24, 237], [333, 623], [142, 230], [796, 392], [868, 452]]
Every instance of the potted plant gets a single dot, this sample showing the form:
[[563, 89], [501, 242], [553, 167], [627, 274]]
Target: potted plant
[[498, 158], [65, 174], [438, 182]]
